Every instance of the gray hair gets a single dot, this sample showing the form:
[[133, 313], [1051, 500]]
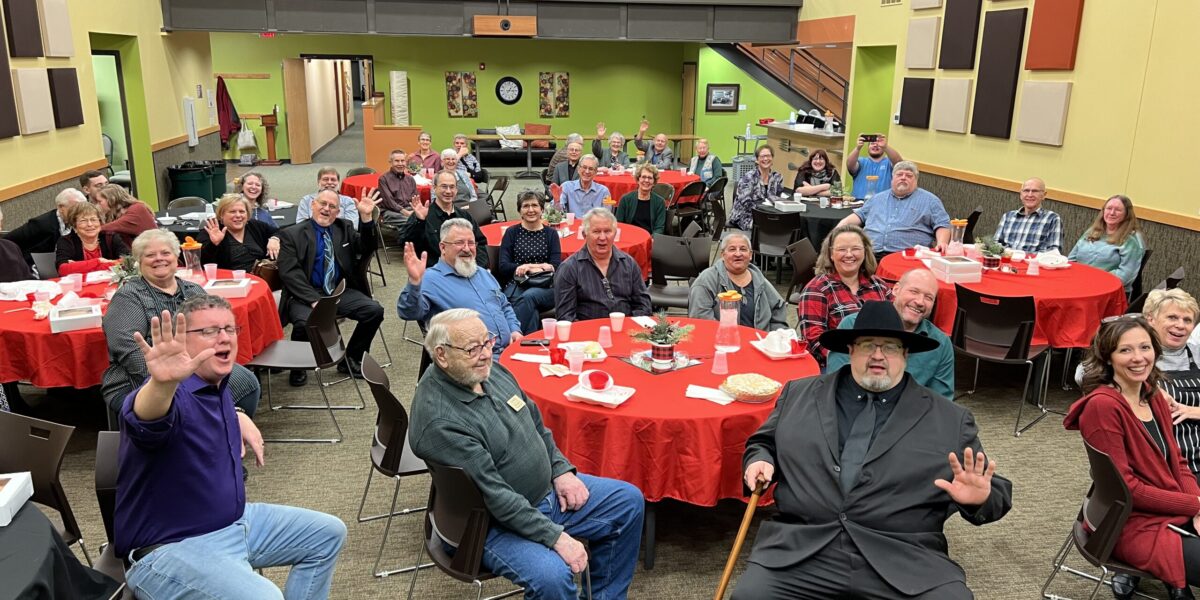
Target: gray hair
[[323, 171], [69, 196], [599, 211], [590, 157], [729, 236], [907, 165], [455, 223], [574, 137], [438, 333], [617, 137], [204, 302], [449, 153], [460, 136], [138, 247]]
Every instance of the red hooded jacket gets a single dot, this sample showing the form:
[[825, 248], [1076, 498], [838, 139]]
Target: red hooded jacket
[[227, 115], [1163, 491]]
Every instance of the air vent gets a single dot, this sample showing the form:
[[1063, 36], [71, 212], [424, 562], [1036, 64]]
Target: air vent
[[890, 2]]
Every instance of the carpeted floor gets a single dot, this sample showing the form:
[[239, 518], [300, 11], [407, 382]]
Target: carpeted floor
[[1005, 560]]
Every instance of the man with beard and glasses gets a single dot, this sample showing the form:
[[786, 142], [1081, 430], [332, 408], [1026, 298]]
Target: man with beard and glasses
[[868, 467], [470, 412], [913, 298], [456, 281], [423, 228]]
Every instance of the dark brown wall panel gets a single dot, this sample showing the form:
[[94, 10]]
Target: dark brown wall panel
[[1054, 35], [960, 29], [9, 126], [64, 97], [24, 29], [915, 102], [999, 65]]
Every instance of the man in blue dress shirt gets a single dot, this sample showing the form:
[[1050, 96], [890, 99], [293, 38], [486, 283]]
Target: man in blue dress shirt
[[903, 216], [583, 194], [182, 521]]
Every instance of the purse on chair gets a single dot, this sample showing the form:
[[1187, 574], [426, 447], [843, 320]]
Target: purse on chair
[[543, 279], [268, 271]]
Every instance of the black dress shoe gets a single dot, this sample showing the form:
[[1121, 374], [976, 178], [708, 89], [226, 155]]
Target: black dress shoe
[[1123, 586], [298, 378], [1183, 593], [354, 370]]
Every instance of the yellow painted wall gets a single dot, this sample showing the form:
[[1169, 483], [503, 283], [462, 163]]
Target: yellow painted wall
[[172, 65], [1132, 98]]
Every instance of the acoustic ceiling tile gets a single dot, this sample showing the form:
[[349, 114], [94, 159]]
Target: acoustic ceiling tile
[[1043, 116], [922, 43], [951, 105], [32, 88], [915, 101]]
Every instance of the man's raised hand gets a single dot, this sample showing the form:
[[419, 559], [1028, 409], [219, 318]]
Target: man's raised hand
[[972, 480], [168, 361], [415, 265]]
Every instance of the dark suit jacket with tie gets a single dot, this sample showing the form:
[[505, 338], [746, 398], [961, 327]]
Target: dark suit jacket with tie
[[894, 514], [39, 234], [298, 253]]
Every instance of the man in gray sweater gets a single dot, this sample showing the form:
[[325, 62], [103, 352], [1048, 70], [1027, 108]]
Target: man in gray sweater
[[470, 412]]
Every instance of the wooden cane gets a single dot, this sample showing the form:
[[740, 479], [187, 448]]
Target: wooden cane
[[740, 539]]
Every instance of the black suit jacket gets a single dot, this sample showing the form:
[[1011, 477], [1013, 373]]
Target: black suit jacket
[[298, 253], [39, 234], [894, 514]]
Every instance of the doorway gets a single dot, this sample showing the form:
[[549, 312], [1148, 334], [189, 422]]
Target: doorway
[[687, 124], [114, 116], [334, 88], [871, 98]]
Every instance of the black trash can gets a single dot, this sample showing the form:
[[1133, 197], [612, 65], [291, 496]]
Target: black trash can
[[217, 169], [190, 179]]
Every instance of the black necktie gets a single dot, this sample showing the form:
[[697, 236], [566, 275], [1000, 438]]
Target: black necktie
[[854, 452]]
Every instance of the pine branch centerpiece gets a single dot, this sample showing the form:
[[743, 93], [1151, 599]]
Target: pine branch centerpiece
[[664, 332], [124, 271], [991, 251], [553, 215]]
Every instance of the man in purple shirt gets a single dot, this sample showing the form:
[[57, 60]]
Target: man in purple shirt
[[182, 521]]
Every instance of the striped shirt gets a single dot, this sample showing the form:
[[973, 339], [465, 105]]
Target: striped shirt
[[130, 310], [1038, 232], [1182, 382]]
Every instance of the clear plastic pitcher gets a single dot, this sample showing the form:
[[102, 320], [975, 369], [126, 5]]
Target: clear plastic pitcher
[[728, 338], [191, 260], [957, 231]]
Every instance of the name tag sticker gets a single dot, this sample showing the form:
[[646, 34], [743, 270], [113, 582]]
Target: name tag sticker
[[516, 403]]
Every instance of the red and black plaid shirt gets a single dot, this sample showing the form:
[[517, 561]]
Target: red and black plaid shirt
[[826, 300]]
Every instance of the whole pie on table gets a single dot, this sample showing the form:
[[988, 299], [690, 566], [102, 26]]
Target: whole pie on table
[[751, 387]]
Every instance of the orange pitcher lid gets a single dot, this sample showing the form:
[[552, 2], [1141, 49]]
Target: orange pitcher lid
[[729, 296], [189, 244]]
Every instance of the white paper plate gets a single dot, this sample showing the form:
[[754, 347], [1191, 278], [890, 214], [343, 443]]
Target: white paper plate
[[760, 345], [610, 398], [568, 346]]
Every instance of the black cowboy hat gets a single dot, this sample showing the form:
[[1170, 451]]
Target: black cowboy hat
[[876, 319]]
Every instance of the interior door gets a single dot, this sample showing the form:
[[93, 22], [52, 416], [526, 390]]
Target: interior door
[[295, 113], [687, 123]]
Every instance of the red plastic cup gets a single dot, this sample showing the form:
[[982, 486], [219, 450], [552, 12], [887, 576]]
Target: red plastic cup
[[910, 252], [558, 356], [799, 347]]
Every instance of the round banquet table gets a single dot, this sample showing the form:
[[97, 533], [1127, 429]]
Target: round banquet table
[[35, 563], [30, 352], [816, 222], [622, 184], [634, 241], [1070, 302], [354, 185], [668, 445]]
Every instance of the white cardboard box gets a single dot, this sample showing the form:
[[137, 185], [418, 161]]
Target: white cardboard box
[[790, 206], [229, 288], [72, 319], [956, 269], [15, 490]]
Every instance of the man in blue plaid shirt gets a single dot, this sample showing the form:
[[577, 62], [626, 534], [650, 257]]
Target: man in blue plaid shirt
[[1031, 228]]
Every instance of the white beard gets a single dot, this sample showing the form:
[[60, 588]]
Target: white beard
[[465, 267]]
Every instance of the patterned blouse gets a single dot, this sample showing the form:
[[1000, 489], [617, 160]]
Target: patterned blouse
[[826, 300], [750, 192]]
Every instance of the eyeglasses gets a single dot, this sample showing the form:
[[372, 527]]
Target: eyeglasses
[[889, 348], [209, 333], [849, 250], [87, 220], [461, 244], [1124, 317], [328, 205], [478, 349]]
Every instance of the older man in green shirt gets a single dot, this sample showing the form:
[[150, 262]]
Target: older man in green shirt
[[470, 412], [913, 298]]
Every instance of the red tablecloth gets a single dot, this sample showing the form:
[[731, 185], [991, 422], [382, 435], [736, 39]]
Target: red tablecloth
[[622, 184], [29, 352], [1070, 302], [354, 185], [634, 241], [668, 445]]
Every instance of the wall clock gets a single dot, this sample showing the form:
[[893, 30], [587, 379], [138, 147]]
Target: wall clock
[[508, 90]]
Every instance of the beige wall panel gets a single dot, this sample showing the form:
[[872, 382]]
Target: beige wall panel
[[922, 43], [1043, 116], [56, 28], [32, 89], [951, 105]]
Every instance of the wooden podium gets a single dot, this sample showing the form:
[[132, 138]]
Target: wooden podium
[[270, 122]]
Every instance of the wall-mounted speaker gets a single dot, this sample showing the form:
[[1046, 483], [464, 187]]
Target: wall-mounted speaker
[[505, 26]]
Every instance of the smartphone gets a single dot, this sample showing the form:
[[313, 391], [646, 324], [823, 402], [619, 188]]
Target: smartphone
[[870, 137], [529, 342]]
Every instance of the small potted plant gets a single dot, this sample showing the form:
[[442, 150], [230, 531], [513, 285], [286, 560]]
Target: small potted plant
[[991, 251], [662, 339], [123, 271], [554, 216]]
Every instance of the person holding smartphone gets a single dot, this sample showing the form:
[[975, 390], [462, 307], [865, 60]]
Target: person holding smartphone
[[878, 163]]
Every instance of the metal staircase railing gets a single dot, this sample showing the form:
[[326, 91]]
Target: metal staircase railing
[[804, 73]]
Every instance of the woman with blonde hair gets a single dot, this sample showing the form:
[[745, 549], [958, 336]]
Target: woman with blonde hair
[[233, 239], [1114, 242], [123, 214]]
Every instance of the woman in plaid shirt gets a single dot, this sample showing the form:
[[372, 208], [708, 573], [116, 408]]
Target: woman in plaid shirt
[[845, 279]]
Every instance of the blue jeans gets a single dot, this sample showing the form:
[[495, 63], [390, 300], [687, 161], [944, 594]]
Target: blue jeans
[[529, 303], [611, 522], [221, 564]]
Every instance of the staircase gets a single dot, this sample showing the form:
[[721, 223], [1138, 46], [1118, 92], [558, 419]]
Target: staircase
[[797, 71]]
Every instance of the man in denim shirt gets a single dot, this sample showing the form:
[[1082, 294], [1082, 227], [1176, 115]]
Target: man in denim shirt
[[456, 281], [903, 216]]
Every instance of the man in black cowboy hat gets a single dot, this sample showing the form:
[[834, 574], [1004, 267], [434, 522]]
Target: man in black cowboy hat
[[868, 469]]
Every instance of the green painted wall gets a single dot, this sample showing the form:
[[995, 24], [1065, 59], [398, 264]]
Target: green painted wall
[[720, 127], [614, 82], [871, 92], [135, 98], [108, 95]]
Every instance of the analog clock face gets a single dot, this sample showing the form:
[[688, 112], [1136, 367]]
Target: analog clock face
[[508, 90]]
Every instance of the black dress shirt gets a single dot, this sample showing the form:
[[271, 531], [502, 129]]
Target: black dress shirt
[[851, 399]]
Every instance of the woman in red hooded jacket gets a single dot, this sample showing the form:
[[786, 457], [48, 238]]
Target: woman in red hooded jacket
[[1125, 415]]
